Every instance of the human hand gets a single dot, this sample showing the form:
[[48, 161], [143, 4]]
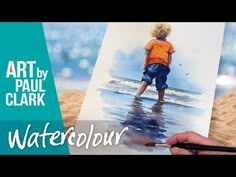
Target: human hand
[[192, 137]]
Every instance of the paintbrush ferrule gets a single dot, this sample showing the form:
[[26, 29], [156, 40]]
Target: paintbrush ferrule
[[162, 145]]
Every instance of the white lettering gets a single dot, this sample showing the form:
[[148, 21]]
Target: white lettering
[[118, 135], [16, 138], [25, 99], [108, 139], [19, 83], [8, 101], [31, 68], [11, 70], [20, 70], [34, 138], [81, 135], [42, 73], [96, 136]]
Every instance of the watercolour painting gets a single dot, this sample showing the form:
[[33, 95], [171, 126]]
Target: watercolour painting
[[111, 95]]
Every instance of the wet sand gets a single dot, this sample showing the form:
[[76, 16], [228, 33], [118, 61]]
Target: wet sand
[[222, 128]]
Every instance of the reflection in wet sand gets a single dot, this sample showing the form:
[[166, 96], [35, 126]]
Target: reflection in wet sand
[[144, 126]]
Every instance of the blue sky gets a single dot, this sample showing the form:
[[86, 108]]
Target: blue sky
[[228, 54], [226, 80], [73, 49], [197, 45]]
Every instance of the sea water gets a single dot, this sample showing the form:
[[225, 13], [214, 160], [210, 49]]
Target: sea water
[[144, 116]]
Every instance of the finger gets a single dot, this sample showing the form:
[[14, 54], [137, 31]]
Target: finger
[[179, 151], [190, 137]]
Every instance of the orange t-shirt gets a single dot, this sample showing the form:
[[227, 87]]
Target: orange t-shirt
[[159, 51]]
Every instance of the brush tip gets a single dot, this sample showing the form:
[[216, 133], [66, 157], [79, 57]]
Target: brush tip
[[152, 144]]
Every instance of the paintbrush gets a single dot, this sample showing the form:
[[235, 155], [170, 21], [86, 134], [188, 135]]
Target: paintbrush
[[191, 146]]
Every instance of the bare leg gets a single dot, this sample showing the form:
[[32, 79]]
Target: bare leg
[[161, 94], [142, 88]]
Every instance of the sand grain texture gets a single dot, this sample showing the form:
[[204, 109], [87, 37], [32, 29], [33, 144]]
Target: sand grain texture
[[222, 128], [70, 105], [223, 122]]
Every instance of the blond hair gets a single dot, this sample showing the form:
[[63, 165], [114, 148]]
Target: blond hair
[[161, 30]]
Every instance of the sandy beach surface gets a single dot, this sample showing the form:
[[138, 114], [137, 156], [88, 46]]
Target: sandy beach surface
[[222, 128], [70, 105], [223, 121]]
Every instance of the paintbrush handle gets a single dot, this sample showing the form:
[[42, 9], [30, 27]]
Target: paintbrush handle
[[191, 146]]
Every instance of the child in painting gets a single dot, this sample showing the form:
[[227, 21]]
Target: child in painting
[[158, 58]]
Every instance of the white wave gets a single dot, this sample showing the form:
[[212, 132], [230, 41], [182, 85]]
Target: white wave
[[170, 99], [124, 85]]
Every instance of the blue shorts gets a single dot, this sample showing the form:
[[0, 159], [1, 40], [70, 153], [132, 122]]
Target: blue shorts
[[159, 72]]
